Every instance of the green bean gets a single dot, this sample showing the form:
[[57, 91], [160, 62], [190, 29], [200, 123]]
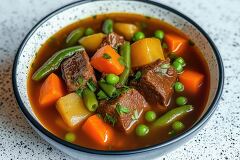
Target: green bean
[[90, 100], [74, 36], [125, 52], [172, 115], [107, 26], [107, 88], [54, 62]]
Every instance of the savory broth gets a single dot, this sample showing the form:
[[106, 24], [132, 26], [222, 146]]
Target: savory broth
[[51, 119]]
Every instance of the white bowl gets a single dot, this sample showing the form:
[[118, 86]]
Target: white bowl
[[80, 10]]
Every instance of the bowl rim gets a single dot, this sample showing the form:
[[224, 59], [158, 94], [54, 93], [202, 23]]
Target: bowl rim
[[191, 130]]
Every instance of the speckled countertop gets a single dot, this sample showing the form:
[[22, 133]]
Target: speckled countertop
[[220, 138]]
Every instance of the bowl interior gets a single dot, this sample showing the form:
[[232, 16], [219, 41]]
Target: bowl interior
[[80, 10]]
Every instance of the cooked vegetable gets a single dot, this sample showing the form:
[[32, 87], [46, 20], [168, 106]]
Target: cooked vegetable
[[181, 61], [101, 95], [137, 76], [178, 87], [177, 126], [91, 43], [90, 100], [146, 51], [159, 34], [91, 85], [125, 52], [99, 131], [150, 116], [70, 137], [109, 64], [74, 36], [54, 62], [110, 90], [72, 109], [142, 130], [181, 101], [89, 31], [107, 26], [112, 79], [178, 66], [125, 29], [138, 36], [51, 90], [172, 116], [192, 80], [175, 43]]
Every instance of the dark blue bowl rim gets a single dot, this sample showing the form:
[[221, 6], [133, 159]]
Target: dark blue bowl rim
[[194, 128]]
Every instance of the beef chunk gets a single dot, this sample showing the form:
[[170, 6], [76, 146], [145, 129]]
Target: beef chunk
[[156, 83], [113, 39], [77, 71], [124, 110]]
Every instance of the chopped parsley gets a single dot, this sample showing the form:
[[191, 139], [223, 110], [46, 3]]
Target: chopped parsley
[[79, 92], [164, 45], [121, 109], [163, 69], [94, 16], [135, 115], [110, 119], [91, 85], [137, 76], [191, 43], [80, 80], [101, 95], [106, 56]]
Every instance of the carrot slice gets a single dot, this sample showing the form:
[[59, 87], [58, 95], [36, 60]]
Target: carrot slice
[[191, 80], [98, 130], [106, 60], [51, 90], [175, 43]]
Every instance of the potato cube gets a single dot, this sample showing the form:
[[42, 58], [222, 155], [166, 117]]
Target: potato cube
[[72, 109]]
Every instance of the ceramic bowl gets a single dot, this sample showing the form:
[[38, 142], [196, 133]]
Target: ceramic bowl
[[82, 9]]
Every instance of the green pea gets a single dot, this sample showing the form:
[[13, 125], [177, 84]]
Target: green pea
[[181, 101], [159, 34], [178, 126], [181, 61], [178, 87], [150, 116], [142, 130], [178, 66], [138, 35], [70, 137], [89, 31], [112, 79]]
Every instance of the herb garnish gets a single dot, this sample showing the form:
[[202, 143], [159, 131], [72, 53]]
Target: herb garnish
[[80, 80], [110, 119], [94, 16], [191, 43], [101, 95], [79, 92], [135, 115], [121, 109], [164, 45], [137, 76], [106, 56], [91, 85], [163, 69]]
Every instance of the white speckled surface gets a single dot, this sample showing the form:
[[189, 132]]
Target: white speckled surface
[[220, 138]]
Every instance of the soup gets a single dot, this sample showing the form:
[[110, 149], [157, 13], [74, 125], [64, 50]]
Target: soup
[[117, 82]]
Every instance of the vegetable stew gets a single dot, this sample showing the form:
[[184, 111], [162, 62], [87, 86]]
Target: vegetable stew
[[118, 81]]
